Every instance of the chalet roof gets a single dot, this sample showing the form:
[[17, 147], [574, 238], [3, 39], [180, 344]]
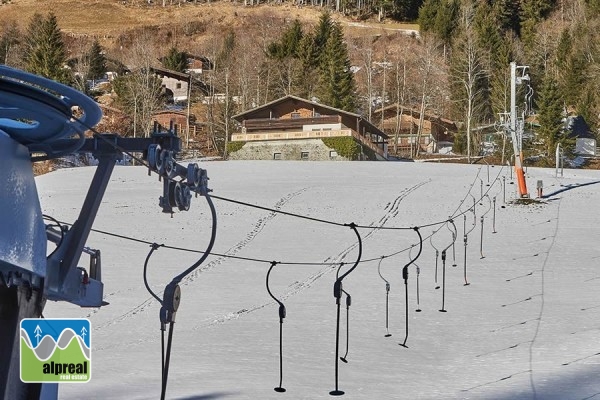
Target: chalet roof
[[392, 107], [318, 106], [170, 73], [166, 112], [182, 77]]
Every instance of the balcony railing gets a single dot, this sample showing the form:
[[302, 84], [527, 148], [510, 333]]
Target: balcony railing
[[259, 124], [249, 137]]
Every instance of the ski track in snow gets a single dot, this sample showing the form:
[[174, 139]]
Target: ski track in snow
[[258, 227], [391, 209], [542, 302], [540, 317]]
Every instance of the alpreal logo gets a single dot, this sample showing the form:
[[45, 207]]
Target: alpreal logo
[[56, 350]]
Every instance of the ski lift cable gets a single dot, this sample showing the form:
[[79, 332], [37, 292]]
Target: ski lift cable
[[457, 212], [177, 248], [143, 162], [231, 256]]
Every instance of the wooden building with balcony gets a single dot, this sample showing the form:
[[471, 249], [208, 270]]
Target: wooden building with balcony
[[402, 125], [292, 128]]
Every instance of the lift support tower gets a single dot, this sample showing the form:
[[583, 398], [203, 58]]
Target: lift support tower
[[517, 125]]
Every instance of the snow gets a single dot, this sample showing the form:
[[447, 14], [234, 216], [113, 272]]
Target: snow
[[525, 328]]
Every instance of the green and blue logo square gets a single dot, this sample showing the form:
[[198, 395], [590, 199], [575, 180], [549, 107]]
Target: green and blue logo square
[[56, 350]]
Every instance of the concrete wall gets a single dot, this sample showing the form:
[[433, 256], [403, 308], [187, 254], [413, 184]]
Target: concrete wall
[[179, 94], [288, 150]]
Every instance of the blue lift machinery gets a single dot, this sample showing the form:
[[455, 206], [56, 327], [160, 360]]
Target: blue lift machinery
[[40, 120]]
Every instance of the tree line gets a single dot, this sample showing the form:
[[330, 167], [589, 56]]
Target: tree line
[[457, 67]]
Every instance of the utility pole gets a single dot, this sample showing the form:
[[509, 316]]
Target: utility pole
[[187, 119], [516, 127]]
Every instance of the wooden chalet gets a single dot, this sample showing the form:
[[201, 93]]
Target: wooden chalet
[[192, 132], [436, 133], [178, 83], [292, 128]]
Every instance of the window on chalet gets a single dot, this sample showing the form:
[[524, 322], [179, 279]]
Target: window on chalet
[[178, 85], [276, 156], [295, 115], [304, 155]]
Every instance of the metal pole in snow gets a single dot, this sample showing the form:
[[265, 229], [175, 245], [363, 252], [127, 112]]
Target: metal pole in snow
[[494, 217]]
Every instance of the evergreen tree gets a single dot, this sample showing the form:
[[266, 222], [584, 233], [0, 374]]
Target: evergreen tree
[[86, 66], [290, 42], [550, 115], [321, 34], [337, 86], [533, 11], [46, 53], [563, 50], [286, 63], [289, 45], [439, 17], [176, 60], [585, 108], [593, 8], [500, 77], [574, 78], [427, 15], [307, 55], [445, 21], [97, 61], [496, 57], [406, 10], [507, 14]]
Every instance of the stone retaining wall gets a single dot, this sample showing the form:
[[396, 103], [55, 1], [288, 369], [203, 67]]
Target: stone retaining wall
[[314, 150]]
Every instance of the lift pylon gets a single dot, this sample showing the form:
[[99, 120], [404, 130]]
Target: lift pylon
[[516, 127]]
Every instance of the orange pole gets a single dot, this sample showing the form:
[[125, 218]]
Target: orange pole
[[521, 181]]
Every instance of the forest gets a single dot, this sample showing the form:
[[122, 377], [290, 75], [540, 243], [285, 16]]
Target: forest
[[346, 55]]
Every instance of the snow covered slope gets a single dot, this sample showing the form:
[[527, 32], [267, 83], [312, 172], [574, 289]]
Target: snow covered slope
[[527, 326]]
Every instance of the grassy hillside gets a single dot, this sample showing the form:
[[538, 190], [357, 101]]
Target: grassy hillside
[[108, 19]]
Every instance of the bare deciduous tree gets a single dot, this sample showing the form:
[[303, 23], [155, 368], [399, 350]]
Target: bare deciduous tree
[[142, 85], [468, 71]]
